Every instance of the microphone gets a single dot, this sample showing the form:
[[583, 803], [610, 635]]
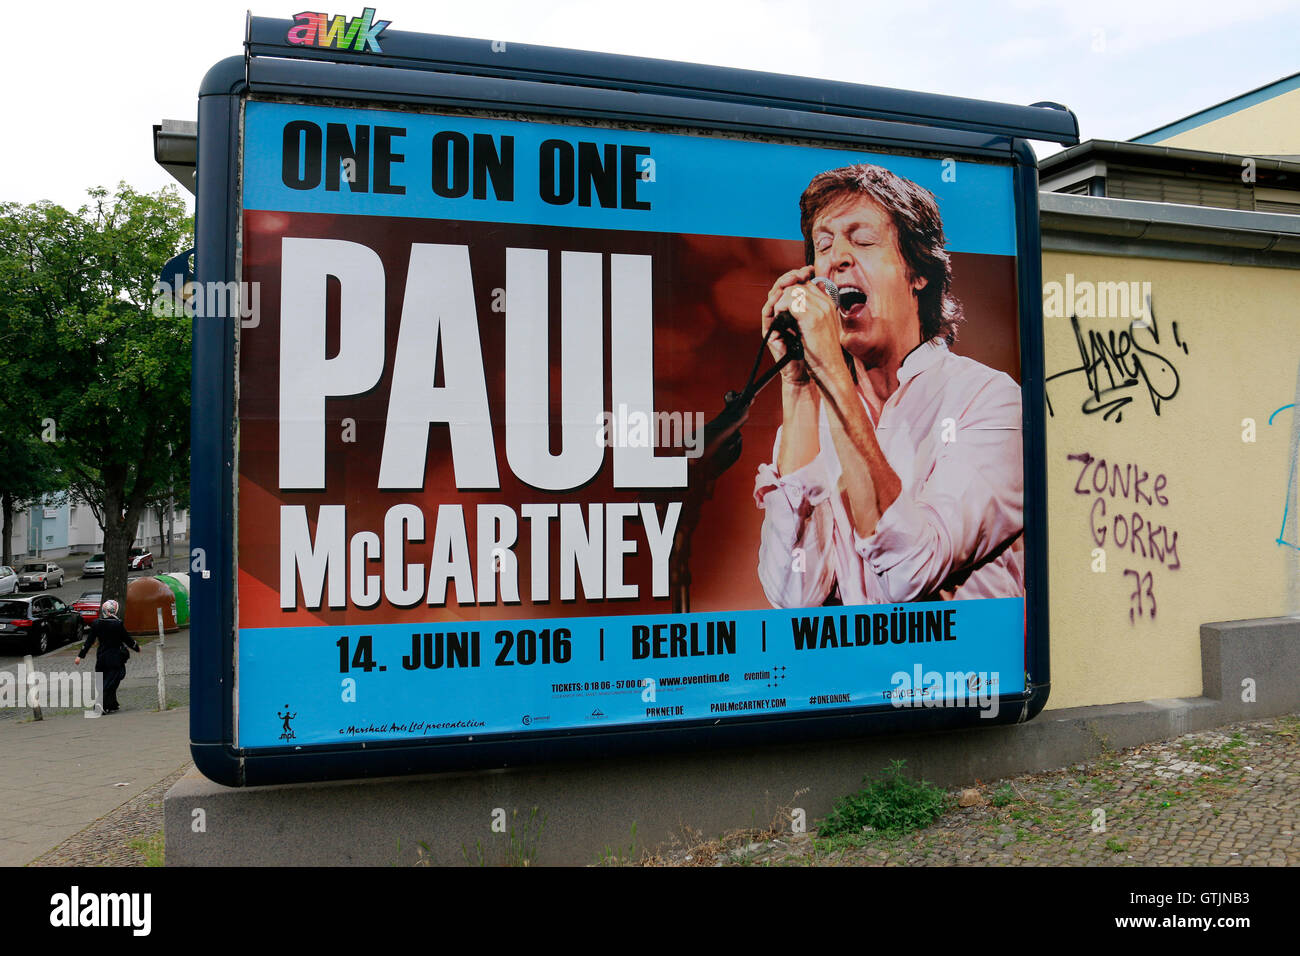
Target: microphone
[[722, 434], [785, 325]]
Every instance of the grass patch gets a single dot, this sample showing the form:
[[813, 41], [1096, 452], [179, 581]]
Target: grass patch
[[519, 848], [892, 804], [621, 855], [151, 848], [1004, 795]]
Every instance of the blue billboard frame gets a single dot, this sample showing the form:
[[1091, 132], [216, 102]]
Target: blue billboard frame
[[467, 74]]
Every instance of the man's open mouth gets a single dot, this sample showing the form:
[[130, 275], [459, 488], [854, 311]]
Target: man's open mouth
[[852, 301]]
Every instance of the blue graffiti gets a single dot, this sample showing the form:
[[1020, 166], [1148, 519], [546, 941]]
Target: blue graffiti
[[1290, 486]]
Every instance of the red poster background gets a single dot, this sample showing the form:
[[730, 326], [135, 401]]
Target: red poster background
[[707, 295]]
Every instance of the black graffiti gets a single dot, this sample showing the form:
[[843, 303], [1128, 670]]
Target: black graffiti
[[1116, 365]]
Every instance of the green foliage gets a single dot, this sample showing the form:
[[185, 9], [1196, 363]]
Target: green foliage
[[619, 855], [151, 848], [520, 846], [524, 841], [82, 347], [891, 804], [1004, 795], [29, 472]]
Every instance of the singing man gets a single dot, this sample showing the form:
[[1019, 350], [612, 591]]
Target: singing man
[[897, 471]]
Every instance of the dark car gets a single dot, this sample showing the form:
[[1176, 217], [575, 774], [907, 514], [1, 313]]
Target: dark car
[[38, 623], [140, 558]]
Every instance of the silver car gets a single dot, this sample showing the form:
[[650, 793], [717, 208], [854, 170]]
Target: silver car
[[8, 580], [94, 566], [43, 576]]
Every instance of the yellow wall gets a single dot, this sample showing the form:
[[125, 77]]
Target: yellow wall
[[1270, 128], [1241, 327]]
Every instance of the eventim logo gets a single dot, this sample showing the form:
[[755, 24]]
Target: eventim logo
[[317, 29], [102, 909]]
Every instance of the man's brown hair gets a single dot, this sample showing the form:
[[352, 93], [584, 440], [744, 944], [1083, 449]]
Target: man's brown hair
[[917, 223]]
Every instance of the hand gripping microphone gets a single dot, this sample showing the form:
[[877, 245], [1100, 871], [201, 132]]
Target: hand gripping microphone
[[785, 325], [722, 443]]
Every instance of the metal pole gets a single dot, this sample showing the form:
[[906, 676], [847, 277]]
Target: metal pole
[[162, 682], [33, 697]]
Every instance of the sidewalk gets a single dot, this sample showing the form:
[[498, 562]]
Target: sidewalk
[[65, 772], [1227, 796]]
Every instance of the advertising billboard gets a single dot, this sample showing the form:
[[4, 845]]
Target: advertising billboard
[[553, 435]]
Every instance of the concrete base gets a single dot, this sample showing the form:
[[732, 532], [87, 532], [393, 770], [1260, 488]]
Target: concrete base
[[617, 807]]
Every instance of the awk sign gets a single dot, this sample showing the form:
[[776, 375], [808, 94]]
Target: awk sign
[[358, 33]]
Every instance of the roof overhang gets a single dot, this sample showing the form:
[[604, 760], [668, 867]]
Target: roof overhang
[[175, 149]]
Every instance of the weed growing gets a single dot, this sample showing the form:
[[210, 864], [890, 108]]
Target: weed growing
[[892, 804]]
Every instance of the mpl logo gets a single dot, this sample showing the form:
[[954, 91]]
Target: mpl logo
[[358, 33]]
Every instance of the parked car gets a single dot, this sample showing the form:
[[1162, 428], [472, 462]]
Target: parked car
[[8, 580], [88, 606], [94, 566], [43, 576], [38, 623], [140, 558]]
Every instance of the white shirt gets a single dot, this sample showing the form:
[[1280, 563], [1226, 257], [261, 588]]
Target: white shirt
[[956, 528]]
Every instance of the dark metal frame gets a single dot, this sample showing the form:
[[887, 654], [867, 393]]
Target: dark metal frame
[[455, 73]]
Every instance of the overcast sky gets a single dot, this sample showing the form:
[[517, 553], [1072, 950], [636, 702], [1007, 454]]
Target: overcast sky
[[87, 82]]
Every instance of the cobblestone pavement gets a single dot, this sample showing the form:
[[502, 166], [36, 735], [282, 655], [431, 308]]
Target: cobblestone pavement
[[131, 835], [1224, 797]]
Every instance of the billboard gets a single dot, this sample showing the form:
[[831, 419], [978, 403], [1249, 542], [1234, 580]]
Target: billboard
[[514, 473]]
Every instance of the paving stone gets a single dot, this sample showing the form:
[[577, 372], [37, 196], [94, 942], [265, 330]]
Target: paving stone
[[1228, 797]]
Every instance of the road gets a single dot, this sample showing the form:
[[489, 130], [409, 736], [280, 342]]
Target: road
[[74, 585]]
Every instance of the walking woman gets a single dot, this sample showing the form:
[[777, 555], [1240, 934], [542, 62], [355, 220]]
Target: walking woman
[[113, 654]]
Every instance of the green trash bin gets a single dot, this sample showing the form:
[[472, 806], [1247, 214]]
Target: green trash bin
[[179, 585]]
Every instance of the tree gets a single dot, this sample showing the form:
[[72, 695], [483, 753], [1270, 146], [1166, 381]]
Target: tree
[[28, 473], [175, 492], [29, 467], [110, 372]]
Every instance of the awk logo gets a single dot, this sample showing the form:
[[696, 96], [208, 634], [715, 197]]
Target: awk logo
[[317, 29]]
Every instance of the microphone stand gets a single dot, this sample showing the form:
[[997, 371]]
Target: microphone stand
[[720, 450]]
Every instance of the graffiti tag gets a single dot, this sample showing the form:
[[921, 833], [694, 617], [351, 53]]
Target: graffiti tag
[[1119, 366]]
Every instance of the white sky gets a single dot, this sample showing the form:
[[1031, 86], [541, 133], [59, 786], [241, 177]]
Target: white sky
[[86, 82]]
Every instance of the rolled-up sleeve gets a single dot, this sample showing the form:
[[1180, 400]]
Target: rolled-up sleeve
[[971, 504], [795, 556]]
